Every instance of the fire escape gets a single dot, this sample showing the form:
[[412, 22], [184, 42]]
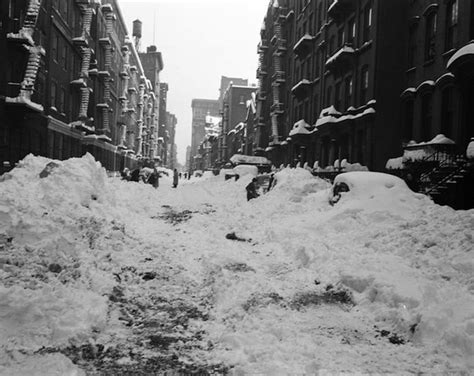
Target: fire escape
[[278, 78], [261, 95], [25, 37], [83, 42], [123, 99], [105, 42]]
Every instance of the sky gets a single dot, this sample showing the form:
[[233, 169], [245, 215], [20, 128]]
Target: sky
[[200, 40]]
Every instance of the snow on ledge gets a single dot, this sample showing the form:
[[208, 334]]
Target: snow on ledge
[[463, 51], [20, 100], [304, 81], [344, 49], [301, 127]]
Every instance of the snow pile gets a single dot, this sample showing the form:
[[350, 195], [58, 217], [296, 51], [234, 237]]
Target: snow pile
[[381, 282], [48, 295], [470, 149], [297, 182]]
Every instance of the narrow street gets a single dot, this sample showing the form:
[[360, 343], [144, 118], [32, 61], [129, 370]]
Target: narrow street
[[106, 277]]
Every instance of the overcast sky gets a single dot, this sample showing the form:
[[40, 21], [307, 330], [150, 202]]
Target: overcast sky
[[201, 40]]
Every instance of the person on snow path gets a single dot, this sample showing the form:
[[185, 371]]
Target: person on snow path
[[175, 178], [251, 189]]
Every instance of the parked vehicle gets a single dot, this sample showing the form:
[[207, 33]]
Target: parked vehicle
[[364, 184]]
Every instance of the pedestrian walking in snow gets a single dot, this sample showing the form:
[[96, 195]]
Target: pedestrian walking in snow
[[175, 178], [251, 189], [154, 178]]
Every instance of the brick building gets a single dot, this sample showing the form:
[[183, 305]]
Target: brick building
[[358, 80], [77, 84], [330, 76], [234, 114]]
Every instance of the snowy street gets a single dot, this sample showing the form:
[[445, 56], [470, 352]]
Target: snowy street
[[105, 277]]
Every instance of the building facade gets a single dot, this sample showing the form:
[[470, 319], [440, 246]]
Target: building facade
[[234, 114], [77, 84], [439, 77], [200, 109], [357, 80], [330, 79]]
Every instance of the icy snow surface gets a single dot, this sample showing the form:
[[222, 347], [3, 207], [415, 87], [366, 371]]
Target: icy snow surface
[[101, 275]]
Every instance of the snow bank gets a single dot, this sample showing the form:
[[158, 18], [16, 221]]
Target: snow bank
[[405, 263]]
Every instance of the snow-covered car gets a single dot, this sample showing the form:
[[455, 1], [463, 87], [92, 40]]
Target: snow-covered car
[[360, 184]]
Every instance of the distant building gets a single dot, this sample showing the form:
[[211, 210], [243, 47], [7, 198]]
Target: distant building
[[226, 81], [163, 134], [152, 62], [201, 108], [234, 115], [171, 122]]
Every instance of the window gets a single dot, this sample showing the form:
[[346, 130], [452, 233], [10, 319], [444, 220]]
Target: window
[[412, 46], [367, 21], [316, 105], [340, 37], [408, 115], [430, 35], [320, 15], [332, 42], [306, 115], [364, 84], [351, 31], [447, 112], [55, 46], [427, 116], [64, 53], [451, 24], [348, 92], [328, 96], [311, 23], [53, 94], [317, 64], [337, 96], [62, 100]]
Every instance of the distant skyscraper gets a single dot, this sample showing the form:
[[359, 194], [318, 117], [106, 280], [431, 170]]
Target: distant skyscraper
[[201, 108]]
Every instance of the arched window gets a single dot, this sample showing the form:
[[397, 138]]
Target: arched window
[[426, 115], [451, 24], [408, 117], [430, 36], [328, 96], [447, 111]]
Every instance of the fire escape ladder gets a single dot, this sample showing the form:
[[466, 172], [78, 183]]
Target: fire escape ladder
[[86, 60], [87, 20], [32, 13], [85, 92]]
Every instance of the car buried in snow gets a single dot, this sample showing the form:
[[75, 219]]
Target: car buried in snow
[[365, 184]]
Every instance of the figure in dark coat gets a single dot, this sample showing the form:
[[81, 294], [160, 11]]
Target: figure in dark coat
[[175, 178], [154, 178], [135, 175], [251, 189]]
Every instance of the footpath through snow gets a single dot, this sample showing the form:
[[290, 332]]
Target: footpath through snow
[[104, 277]]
